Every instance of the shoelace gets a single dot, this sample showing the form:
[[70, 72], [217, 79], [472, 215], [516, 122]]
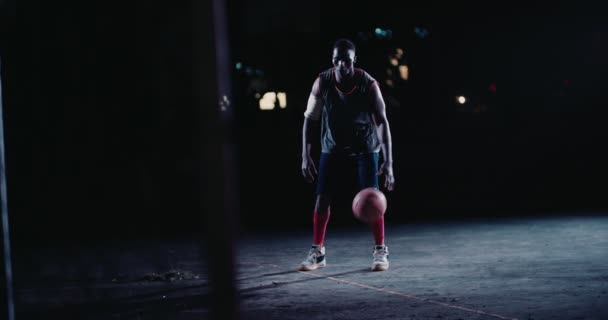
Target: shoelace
[[380, 255], [313, 253]]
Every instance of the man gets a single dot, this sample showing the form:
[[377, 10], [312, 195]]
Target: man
[[354, 128]]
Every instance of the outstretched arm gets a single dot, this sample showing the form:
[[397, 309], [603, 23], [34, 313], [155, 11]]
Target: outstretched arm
[[311, 119], [384, 135]]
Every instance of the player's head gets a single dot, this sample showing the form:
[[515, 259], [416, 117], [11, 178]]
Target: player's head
[[343, 56]]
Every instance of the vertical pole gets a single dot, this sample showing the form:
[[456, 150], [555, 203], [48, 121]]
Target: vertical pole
[[7, 307], [216, 150]]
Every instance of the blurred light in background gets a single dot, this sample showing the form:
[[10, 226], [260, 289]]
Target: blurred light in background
[[383, 34], [461, 99], [393, 61], [282, 96], [421, 33], [404, 72], [268, 101], [399, 53], [492, 87], [224, 103], [250, 71]]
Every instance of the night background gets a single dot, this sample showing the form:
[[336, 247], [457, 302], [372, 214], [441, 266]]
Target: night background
[[103, 135], [100, 127]]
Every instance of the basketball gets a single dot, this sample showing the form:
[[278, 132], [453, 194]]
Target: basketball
[[369, 204]]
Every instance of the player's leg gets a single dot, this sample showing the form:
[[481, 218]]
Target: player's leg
[[316, 256], [367, 167], [320, 219]]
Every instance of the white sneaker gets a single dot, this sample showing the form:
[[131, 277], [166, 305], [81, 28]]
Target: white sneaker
[[380, 262], [315, 259]]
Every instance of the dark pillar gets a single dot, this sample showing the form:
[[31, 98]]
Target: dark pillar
[[7, 307], [216, 150]]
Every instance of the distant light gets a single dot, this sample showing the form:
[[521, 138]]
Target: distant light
[[383, 34], [249, 71], [399, 53], [224, 103], [421, 32], [404, 72], [461, 99], [282, 96], [268, 101], [389, 72], [239, 65], [394, 61], [257, 95], [492, 87], [389, 82]]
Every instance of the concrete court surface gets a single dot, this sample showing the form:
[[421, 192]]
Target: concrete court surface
[[502, 268]]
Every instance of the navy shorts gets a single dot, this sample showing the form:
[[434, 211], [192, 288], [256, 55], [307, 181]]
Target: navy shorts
[[333, 167]]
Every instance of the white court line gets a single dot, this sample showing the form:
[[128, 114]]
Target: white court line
[[403, 295]]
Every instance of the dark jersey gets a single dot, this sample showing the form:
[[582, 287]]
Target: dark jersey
[[346, 120]]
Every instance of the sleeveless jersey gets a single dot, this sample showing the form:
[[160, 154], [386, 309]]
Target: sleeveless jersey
[[346, 121]]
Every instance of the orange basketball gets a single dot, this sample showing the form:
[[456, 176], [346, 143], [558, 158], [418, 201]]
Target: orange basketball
[[369, 204]]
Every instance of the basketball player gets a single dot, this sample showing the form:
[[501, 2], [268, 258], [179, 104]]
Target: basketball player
[[354, 128]]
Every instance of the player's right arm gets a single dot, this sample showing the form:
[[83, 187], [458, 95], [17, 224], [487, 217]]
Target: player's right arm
[[311, 119]]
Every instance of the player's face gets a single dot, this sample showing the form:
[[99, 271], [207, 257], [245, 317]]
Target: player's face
[[344, 61]]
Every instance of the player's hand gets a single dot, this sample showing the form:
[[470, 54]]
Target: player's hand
[[389, 178], [309, 171]]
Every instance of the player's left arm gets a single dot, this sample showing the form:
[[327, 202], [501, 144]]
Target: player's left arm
[[384, 135]]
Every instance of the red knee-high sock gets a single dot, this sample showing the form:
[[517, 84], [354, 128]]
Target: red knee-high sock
[[319, 226], [378, 230]]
